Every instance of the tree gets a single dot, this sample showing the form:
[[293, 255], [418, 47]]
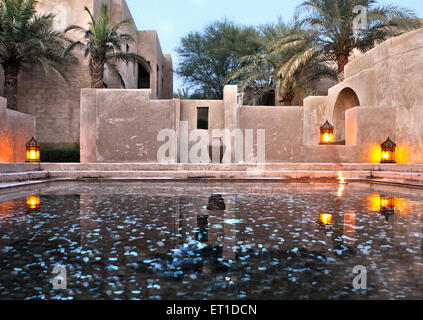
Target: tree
[[185, 94], [330, 25], [104, 46], [27, 38], [276, 73], [208, 58]]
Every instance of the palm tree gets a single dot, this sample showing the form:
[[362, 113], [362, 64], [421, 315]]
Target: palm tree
[[329, 25], [104, 46], [27, 38], [277, 72]]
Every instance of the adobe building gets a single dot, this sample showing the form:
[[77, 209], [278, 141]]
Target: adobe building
[[55, 104], [381, 97]]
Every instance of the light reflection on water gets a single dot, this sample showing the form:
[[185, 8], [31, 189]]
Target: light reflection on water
[[212, 241]]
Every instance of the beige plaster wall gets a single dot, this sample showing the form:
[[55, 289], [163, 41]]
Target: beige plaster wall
[[397, 65], [367, 128], [167, 92], [88, 127], [284, 130], [16, 129], [370, 125], [216, 113], [161, 66], [126, 124], [288, 141], [315, 115], [216, 117], [122, 126]]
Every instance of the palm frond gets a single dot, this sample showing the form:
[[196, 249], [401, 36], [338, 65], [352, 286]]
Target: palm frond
[[106, 45]]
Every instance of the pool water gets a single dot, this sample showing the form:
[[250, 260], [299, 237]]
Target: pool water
[[134, 240]]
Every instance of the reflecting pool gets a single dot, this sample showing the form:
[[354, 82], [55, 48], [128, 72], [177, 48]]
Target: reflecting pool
[[133, 240]]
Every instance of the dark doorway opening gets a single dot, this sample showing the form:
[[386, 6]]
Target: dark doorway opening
[[143, 77]]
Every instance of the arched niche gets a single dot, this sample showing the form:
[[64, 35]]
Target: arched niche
[[347, 99]]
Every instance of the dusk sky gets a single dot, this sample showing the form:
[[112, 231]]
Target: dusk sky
[[175, 18]]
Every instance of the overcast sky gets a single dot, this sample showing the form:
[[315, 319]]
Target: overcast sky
[[175, 18]]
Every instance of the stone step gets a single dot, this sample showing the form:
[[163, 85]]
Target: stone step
[[19, 167], [241, 175], [23, 176], [405, 177], [228, 167]]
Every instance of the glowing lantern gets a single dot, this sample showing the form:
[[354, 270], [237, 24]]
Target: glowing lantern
[[387, 207], [388, 151], [326, 133], [325, 219], [33, 202], [32, 151]]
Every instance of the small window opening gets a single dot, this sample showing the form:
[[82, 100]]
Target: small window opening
[[203, 118]]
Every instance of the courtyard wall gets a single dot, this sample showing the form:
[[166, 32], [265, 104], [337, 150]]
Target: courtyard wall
[[16, 129], [123, 125], [379, 98], [397, 82]]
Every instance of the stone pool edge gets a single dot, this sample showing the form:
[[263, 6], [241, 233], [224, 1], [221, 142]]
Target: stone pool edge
[[18, 175]]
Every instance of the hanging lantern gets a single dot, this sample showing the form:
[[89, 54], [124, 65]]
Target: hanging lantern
[[33, 202], [326, 133], [388, 151], [325, 219], [32, 151], [387, 207]]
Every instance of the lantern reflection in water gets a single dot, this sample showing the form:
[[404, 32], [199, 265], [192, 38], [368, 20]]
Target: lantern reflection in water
[[377, 202], [388, 206], [325, 219], [33, 202], [341, 190]]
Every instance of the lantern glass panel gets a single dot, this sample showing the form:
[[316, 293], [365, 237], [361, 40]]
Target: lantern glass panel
[[326, 133], [388, 151], [32, 151]]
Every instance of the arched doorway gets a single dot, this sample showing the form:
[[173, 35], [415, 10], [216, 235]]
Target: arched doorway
[[347, 99]]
